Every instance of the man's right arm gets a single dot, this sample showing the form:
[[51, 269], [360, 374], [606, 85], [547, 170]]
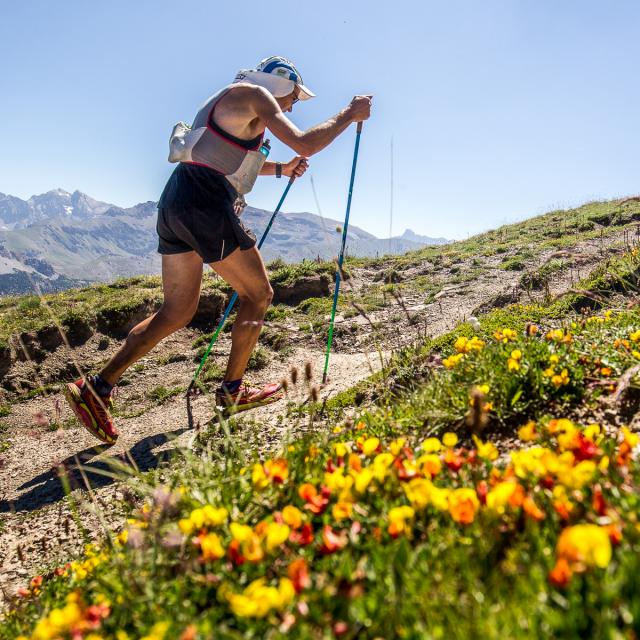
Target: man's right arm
[[306, 143]]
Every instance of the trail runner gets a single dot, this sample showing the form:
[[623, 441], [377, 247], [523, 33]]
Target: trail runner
[[221, 156]]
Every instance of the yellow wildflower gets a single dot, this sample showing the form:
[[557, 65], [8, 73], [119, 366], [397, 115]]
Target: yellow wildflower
[[513, 364], [259, 477], [507, 493], [342, 510], [431, 445], [467, 345], [214, 516], [370, 445], [486, 450], [381, 464], [211, 547], [450, 439], [398, 517], [630, 437], [277, 534], [240, 532], [453, 360], [396, 446], [341, 449], [585, 543], [560, 380], [527, 433], [505, 335], [576, 477], [362, 479], [418, 492], [292, 516], [439, 497]]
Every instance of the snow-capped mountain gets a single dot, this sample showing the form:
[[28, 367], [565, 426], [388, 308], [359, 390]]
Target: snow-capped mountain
[[59, 239]]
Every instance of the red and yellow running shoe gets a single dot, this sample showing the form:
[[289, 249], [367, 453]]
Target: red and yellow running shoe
[[247, 397], [91, 410]]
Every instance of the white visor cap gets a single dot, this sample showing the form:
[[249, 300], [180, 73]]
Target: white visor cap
[[278, 76]]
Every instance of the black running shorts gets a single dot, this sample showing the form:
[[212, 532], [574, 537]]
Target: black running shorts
[[195, 213]]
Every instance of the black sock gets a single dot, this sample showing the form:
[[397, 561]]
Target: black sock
[[102, 387], [230, 386]]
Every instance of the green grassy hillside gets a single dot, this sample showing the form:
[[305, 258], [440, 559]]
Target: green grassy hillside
[[490, 488]]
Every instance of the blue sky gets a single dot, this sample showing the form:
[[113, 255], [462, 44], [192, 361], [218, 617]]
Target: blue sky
[[498, 109]]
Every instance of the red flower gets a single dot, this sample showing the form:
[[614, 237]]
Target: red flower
[[586, 449], [340, 628], [331, 541], [562, 510], [453, 460], [235, 554], [481, 490], [615, 534], [95, 613], [598, 503], [302, 537], [547, 482]]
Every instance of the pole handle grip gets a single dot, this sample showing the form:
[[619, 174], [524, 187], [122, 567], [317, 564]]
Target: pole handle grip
[[359, 127]]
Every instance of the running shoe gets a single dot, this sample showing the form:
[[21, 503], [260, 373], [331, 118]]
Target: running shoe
[[91, 410], [247, 397]]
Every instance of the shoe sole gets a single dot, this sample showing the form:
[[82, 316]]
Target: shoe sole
[[79, 407], [232, 409]]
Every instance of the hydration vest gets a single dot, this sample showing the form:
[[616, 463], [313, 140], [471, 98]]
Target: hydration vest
[[201, 144]]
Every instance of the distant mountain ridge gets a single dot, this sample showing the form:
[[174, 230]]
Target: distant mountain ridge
[[58, 239]]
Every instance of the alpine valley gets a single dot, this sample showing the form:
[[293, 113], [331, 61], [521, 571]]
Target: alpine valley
[[59, 240]]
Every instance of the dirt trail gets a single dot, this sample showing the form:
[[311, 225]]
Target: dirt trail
[[37, 527]]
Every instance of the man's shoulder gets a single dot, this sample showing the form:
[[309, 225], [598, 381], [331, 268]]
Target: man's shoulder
[[247, 91]]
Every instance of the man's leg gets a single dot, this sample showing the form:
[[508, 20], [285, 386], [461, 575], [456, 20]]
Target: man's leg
[[245, 272], [181, 277]]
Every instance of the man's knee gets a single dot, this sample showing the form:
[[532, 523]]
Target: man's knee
[[259, 297], [177, 318]]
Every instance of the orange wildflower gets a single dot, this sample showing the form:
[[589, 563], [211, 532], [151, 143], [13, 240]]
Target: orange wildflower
[[532, 509], [277, 470], [615, 534], [298, 573], [463, 505], [354, 462], [561, 573]]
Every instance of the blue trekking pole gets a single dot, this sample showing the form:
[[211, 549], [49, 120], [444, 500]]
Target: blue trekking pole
[[341, 257], [234, 297]]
